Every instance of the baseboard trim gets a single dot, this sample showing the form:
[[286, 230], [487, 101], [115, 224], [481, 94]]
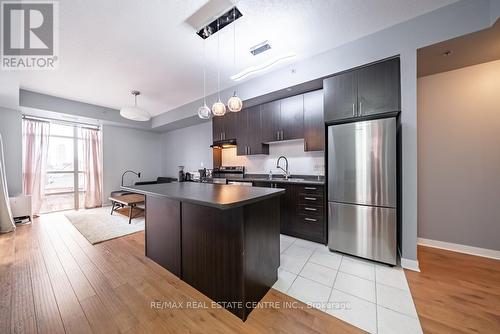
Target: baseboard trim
[[483, 252], [410, 264]]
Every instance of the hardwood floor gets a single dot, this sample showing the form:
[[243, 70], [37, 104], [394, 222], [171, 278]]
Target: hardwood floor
[[456, 293], [53, 281]]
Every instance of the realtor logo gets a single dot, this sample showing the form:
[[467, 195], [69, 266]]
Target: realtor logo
[[29, 36]]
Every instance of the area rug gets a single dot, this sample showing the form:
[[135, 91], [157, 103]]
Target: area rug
[[97, 225]]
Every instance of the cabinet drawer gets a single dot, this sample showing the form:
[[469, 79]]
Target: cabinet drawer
[[310, 220], [311, 210], [311, 189], [308, 228], [311, 199]]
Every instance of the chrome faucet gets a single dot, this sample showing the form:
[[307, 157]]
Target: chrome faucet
[[285, 171]]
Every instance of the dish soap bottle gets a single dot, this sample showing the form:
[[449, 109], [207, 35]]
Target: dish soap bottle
[[270, 174]]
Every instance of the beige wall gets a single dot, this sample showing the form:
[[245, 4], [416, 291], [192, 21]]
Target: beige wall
[[459, 156]]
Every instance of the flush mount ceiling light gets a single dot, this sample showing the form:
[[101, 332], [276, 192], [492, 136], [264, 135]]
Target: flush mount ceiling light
[[219, 23], [135, 113], [262, 67]]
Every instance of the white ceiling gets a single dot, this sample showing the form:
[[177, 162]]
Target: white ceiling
[[108, 48]]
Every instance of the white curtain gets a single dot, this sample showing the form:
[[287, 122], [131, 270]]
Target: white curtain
[[35, 149], [6, 221], [92, 167]]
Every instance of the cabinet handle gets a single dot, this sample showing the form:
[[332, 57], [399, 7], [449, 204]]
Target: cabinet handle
[[310, 188], [305, 145], [282, 135], [310, 198], [360, 108], [354, 110], [311, 209], [310, 219], [249, 150]]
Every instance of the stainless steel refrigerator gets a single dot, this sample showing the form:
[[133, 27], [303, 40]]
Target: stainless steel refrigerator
[[362, 189]]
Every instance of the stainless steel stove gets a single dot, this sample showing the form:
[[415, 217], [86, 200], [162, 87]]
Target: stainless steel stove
[[221, 174]]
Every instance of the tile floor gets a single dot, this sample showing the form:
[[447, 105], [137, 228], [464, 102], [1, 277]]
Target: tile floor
[[368, 295]]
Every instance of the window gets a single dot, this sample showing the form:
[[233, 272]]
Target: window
[[65, 176]]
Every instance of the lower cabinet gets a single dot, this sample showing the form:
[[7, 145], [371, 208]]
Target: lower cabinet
[[302, 210]]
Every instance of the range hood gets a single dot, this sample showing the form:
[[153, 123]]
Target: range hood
[[221, 144]]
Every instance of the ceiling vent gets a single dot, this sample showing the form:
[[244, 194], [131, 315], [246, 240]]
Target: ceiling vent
[[259, 48]]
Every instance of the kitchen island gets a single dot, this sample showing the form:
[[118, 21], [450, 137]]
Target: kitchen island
[[221, 239]]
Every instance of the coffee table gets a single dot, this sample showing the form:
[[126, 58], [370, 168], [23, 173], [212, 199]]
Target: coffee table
[[120, 204]]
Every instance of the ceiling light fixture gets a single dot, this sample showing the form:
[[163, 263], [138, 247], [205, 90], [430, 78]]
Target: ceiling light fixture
[[259, 68], [204, 111], [234, 104], [218, 108], [135, 113]]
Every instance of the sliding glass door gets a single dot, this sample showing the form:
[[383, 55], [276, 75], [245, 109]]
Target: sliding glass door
[[65, 175]]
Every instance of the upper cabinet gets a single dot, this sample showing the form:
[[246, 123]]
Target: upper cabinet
[[292, 117], [283, 119], [341, 96], [379, 88], [314, 125], [295, 117], [271, 121], [249, 140], [225, 127], [370, 90]]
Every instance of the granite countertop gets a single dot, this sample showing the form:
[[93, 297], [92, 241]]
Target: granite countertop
[[296, 179], [213, 195]]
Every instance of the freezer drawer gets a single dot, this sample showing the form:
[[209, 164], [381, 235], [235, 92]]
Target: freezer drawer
[[364, 231]]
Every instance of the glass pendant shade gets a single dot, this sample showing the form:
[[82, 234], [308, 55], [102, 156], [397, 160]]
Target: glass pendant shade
[[234, 103], [204, 112], [218, 109]]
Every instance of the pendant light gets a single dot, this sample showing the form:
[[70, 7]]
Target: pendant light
[[204, 111], [234, 103], [218, 108], [135, 113]]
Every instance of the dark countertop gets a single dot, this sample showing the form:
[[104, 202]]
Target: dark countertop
[[213, 195], [295, 179]]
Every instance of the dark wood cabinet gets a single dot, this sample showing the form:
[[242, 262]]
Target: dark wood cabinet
[[283, 119], [379, 88], [249, 139], [341, 96], [217, 128], [225, 127], [270, 121], [292, 117], [314, 124], [163, 243], [302, 210], [370, 90], [295, 117]]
